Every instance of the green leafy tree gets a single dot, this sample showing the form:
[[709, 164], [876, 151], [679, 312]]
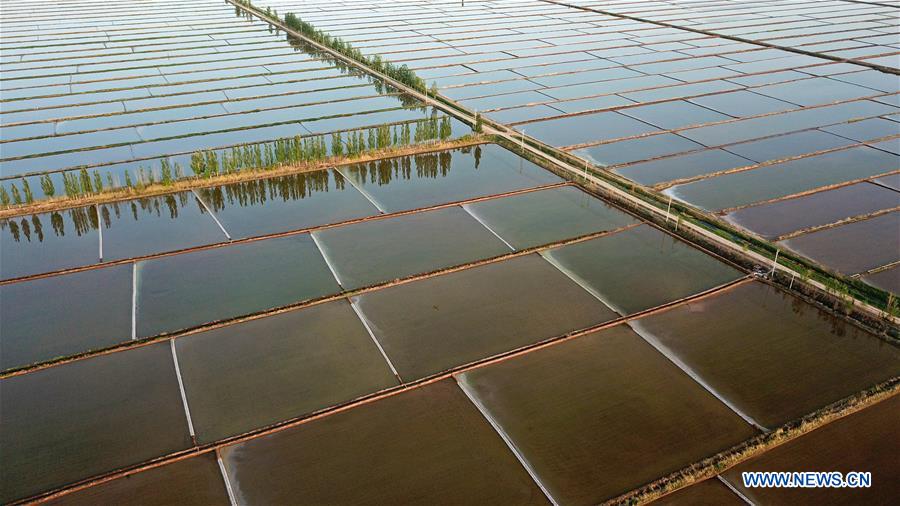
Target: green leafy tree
[[47, 185], [16, 196], [86, 185], [166, 172], [4, 196], [26, 189], [337, 147], [128, 182], [446, 128], [98, 182]]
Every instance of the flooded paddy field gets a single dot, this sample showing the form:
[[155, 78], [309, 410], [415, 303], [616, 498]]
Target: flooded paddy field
[[730, 107], [457, 325], [120, 92], [523, 279]]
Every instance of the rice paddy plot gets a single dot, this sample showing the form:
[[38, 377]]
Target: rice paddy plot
[[683, 166], [124, 98], [633, 150], [57, 316], [602, 414], [585, 128], [854, 247], [195, 481], [788, 145], [428, 444], [442, 322], [892, 181], [278, 367], [48, 242], [77, 420], [377, 251], [279, 204], [863, 441], [675, 114], [814, 210], [770, 354], [786, 178], [641, 268], [542, 217], [183, 291], [151, 225], [888, 279], [787, 122], [450, 176]]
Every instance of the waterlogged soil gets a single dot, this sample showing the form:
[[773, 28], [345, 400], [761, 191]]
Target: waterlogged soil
[[401, 184], [787, 178], [278, 367], [773, 356], [641, 268], [864, 441], [62, 315], [438, 323], [709, 492], [683, 166], [585, 128], [48, 242], [429, 444], [786, 216], [191, 289], [633, 150], [77, 420], [156, 224], [196, 481], [542, 217], [273, 205], [854, 247], [888, 279], [602, 414], [372, 252]]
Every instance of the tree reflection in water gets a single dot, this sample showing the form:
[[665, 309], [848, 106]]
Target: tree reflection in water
[[83, 220]]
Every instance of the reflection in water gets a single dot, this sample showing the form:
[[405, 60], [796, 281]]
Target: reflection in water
[[260, 191], [427, 165], [247, 193], [380, 86], [83, 219], [837, 325]]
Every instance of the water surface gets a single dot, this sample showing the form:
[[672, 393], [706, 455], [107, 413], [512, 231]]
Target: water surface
[[785, 216], [77, 420], [602, 414], [640, 268], [279, 204], [278, 367], [191, 289], [63, 315], [48, 242], [542, 217], [405, 183], [854, 247], [195, 481], [376, 251], [773, 356], [863, 441], [434, 324], [428, 444]]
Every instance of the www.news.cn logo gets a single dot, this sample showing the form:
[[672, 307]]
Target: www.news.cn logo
[[809, 479]]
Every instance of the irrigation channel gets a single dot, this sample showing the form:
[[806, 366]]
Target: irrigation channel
[[485, 310]]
